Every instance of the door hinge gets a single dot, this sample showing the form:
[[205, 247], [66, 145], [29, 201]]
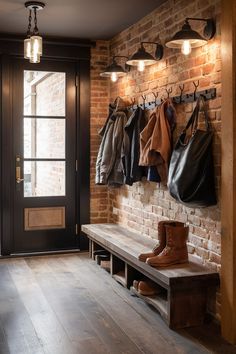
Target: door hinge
[[76, 165], [77, 80], [76, 229]]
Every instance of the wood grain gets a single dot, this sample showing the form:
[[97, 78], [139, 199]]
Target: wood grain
[[228, 180], [127, 245], [67, 304], [44, 218]]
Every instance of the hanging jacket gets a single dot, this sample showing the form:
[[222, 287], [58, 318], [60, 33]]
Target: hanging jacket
[[131, 147], [109, 169], [156, 140]]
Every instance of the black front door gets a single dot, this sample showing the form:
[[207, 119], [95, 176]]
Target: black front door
[[44, 153]]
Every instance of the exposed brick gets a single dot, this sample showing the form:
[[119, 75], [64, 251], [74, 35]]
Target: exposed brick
[[143, 205]]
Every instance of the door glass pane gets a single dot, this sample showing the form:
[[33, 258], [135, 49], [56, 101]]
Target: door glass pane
[[44, 178], [44, 93], [44, 138]]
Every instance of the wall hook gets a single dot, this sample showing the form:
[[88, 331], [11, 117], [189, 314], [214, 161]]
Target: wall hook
[[155, 96], [132, 101], [196, 84], [168, 91], [144, 100], [181, 87]]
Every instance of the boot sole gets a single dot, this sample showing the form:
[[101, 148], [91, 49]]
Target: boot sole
[[169, 264], [146, 293]]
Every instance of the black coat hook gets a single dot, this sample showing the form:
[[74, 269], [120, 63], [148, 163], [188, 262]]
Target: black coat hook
[[144, 100], [168, 91], [132, 101], [155, 96], [181, 87], [196, 84]]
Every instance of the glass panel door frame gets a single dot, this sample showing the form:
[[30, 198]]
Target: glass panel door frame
[[83, 149]]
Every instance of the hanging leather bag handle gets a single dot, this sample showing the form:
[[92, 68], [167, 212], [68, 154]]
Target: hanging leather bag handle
[[193, 121]]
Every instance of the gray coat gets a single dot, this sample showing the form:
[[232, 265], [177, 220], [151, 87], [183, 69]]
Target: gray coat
[[109, 169]]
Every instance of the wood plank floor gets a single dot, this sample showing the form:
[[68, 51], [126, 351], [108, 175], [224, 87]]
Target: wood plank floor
[[67, 304]]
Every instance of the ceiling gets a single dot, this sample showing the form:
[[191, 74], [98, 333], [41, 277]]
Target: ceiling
[[87, 19]]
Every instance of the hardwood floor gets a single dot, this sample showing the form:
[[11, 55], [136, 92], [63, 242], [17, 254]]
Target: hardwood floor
[[67, 304]]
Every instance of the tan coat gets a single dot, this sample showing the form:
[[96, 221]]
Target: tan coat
[[155, 141]]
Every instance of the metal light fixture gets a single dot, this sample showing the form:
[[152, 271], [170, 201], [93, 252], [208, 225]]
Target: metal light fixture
[[33, 43], [114, 70], [187, 38], [142, 58]]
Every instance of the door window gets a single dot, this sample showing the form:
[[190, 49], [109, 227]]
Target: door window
[[44, 133]]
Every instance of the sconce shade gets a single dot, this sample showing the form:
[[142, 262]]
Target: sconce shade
[[113, 68], [141, 55], [186, 34]]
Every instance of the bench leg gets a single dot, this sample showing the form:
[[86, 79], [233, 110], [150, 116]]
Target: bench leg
[[187, 307]]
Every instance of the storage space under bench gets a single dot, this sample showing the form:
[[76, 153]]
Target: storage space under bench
[[183, 299]]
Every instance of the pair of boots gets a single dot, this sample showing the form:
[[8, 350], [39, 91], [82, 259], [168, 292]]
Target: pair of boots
[[172, 247]]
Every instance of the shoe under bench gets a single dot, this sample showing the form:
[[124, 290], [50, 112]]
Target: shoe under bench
[[182, 301]]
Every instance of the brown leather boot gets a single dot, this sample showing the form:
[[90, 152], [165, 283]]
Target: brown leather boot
[[175, 251], [162, 239]]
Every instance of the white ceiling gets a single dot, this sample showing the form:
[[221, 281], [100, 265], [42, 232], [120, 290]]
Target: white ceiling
[[88, 19]]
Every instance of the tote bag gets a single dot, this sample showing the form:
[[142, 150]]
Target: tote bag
[[191, 170]]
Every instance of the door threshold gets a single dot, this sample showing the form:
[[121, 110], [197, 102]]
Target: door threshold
[[43, 253]]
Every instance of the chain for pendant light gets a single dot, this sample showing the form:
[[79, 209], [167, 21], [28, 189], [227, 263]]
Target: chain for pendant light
[[29, 24], [36, 30]]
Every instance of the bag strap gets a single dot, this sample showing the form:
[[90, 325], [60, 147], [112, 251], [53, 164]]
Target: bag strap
[[193, 120], [202, 101]]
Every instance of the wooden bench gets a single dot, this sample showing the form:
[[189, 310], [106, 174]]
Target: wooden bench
[[183, 299]]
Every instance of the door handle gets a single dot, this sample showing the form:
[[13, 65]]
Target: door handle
[[18, 171]]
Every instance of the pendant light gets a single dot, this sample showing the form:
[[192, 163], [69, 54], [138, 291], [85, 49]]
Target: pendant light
[[33, 43], [187, 38], [142, 58], [114, 70]]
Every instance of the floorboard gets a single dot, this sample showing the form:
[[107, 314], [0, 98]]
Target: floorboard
[[67, 304]]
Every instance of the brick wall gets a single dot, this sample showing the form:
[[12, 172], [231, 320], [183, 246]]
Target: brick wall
[[141, 206], [99, 110]]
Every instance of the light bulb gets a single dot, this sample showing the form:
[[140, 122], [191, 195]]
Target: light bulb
[[141, 65], [186, 48], [114, 77]]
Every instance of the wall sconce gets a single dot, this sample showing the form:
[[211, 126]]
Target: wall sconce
[[33, 43], [142, 58], [187, 38], [114, 70]]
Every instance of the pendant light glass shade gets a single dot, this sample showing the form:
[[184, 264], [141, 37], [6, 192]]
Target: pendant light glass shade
[[114, 71], [35, 58], [36, 45], [187, 38], [27, 48]]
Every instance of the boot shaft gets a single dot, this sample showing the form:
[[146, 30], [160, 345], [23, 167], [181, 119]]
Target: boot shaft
[[162, 230], [176, 236]]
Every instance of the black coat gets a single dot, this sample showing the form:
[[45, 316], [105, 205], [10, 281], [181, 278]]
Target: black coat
[[131, 147]]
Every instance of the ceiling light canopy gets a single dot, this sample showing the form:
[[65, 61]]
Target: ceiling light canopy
[[33, 43], [142, 58], [114, 70], [187, 38]]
